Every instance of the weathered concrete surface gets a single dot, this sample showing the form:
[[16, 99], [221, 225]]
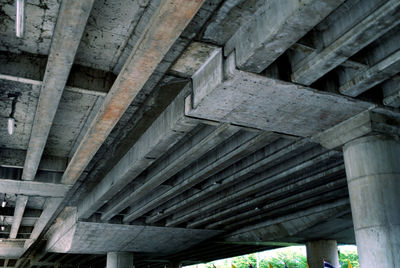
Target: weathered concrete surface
[[275, 26], [109, 27], [368, 122], [373, 168], [177, 160], [33, 188], [256, 101], [24, 113], [275, 228], [12, 249], [67, 35], [15, 158], [320, 250], [166, 131], [383, 58], [348, 41], [39, 26], [72, 236], [169, 21], [391, 92]]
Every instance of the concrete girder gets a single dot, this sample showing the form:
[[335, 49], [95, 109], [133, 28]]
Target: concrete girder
[[14, 158], [274, 209], [334, 206], [275, 193], [177, 160], [70, 25], [20, 204], [270, 156], [204, 170], [167, 24], [50, 207], [250, 186], [67, 35], [391, 92], [349, 41], [384, 61], [169, 128], [272, 101], [273, 29], [32, 188]]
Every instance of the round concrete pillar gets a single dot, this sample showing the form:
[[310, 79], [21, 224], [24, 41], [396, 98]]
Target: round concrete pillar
[[373, 175], [119, 260], [319, 250]]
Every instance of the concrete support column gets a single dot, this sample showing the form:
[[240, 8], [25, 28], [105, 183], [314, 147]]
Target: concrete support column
[[119, 260], [319, 250], [373, 174]]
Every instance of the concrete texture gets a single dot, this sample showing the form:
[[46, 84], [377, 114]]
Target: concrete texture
[[75, 236], [372, 167], [256, 48], [303, 110], [320, 250], [238, 152], [158, 39]]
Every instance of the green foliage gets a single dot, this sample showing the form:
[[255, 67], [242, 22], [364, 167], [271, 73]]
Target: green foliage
[[350, 255], [294, 258]]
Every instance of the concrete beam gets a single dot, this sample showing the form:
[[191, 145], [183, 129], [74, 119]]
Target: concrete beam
[[166, 131], [342, 202], [20, 204], [179, 159], [204, 169], [384, 60], [303, 110], [251, 186], [273, 29], [272, 195], [167, 24], [348, 41], [271, 155], [70, 25], [391, 92], [14, 158], [274, 210], [50, 207], [31, 188]]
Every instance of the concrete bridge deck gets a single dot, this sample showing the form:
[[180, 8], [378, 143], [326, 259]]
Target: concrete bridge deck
[[183, 131]]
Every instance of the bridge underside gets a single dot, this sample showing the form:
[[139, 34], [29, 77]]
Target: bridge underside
[[190, 130]]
